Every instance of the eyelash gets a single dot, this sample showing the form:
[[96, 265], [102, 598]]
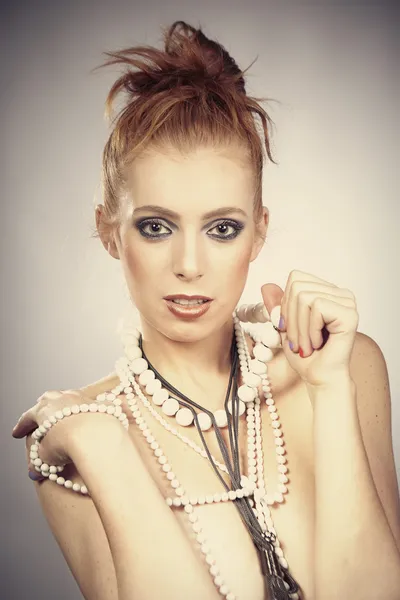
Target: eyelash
[[237, 226]]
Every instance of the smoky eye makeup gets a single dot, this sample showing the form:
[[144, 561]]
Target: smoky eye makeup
[[152, 227]]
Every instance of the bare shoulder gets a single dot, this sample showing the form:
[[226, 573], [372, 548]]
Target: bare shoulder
[[105, 384]]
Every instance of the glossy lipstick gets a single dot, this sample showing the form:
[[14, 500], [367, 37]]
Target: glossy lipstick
[[188, 312]]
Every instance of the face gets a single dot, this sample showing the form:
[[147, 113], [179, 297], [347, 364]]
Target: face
[[179, 248]]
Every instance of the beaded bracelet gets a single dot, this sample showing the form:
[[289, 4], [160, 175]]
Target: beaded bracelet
[[51, 471]]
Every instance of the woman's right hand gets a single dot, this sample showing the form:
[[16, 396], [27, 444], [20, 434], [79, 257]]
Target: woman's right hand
[[53, 447]]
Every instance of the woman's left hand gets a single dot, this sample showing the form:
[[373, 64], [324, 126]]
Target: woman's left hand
[[321, 320]]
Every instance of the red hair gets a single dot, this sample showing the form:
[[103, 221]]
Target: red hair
[[190, 94]]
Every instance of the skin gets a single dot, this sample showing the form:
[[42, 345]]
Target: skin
[[193, 356], [188, 259]]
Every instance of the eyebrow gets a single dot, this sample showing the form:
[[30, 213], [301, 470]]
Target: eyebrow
[[170, 213]]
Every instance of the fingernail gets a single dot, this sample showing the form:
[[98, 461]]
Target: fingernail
[[301, 352], [34, 476], [291, 345], [281, 323]]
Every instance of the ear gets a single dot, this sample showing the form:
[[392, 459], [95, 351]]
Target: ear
[[105, 233], [260, 234]]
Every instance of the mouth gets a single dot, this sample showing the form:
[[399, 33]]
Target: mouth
[[188, 308], [184, 299]]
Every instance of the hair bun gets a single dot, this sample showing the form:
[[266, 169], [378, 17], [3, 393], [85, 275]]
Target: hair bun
[[204, 57], [190, 60]]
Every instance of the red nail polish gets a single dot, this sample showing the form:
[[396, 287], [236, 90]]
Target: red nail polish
[[301, 352]]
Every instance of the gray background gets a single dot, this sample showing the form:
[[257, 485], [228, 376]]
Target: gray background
[[333, 199]]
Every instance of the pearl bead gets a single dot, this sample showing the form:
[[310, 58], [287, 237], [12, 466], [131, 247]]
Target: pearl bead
[[258, 367], [262, 353], [261, 314], [252, 379], [276, 315], [210, 559], [241, 312], [160, 396], [204, 421], [246, 393], [221, 418], [133, 352], [249, 313], [152, 386], [170, 407], [146, 376], [269, 336], [184, 417], [138, 365], [239, 410]]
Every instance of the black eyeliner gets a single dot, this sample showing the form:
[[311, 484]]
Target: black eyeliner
[[141, 223]]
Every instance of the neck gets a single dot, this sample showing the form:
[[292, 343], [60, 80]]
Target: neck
[[189, 362]]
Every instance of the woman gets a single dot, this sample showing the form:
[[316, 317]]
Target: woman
[[250, 466]]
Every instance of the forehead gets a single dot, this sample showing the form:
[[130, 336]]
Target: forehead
[[191, 183]]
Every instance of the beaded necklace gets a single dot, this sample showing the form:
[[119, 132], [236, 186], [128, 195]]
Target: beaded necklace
[[247, 492], [258, 521]]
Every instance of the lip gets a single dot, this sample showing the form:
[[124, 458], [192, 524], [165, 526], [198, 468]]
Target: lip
[[185, 297], [187, 312]]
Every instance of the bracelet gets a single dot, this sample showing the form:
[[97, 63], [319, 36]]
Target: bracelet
[[50, 471]]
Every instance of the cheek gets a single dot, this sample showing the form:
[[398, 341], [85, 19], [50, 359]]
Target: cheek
[[139, 262]]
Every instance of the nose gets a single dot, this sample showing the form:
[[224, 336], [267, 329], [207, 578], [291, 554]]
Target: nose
[[188, 257]]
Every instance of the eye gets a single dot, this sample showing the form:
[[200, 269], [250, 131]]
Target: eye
[[224, 225], [155, 225], [151, 228]]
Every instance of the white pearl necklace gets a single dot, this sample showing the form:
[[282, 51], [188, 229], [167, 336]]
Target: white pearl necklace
[[253, 485], [127, 370]]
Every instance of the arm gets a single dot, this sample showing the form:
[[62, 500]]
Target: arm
[[151, 553], [79, 532], [356, 555]]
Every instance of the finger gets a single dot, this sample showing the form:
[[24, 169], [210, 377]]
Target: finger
[[298, 277], [308, 327], [25, 425], [35, 476], [309, 323], [272, 295], [291, 306]]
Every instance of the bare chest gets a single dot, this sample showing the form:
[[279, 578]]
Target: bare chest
[[219, 535]]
